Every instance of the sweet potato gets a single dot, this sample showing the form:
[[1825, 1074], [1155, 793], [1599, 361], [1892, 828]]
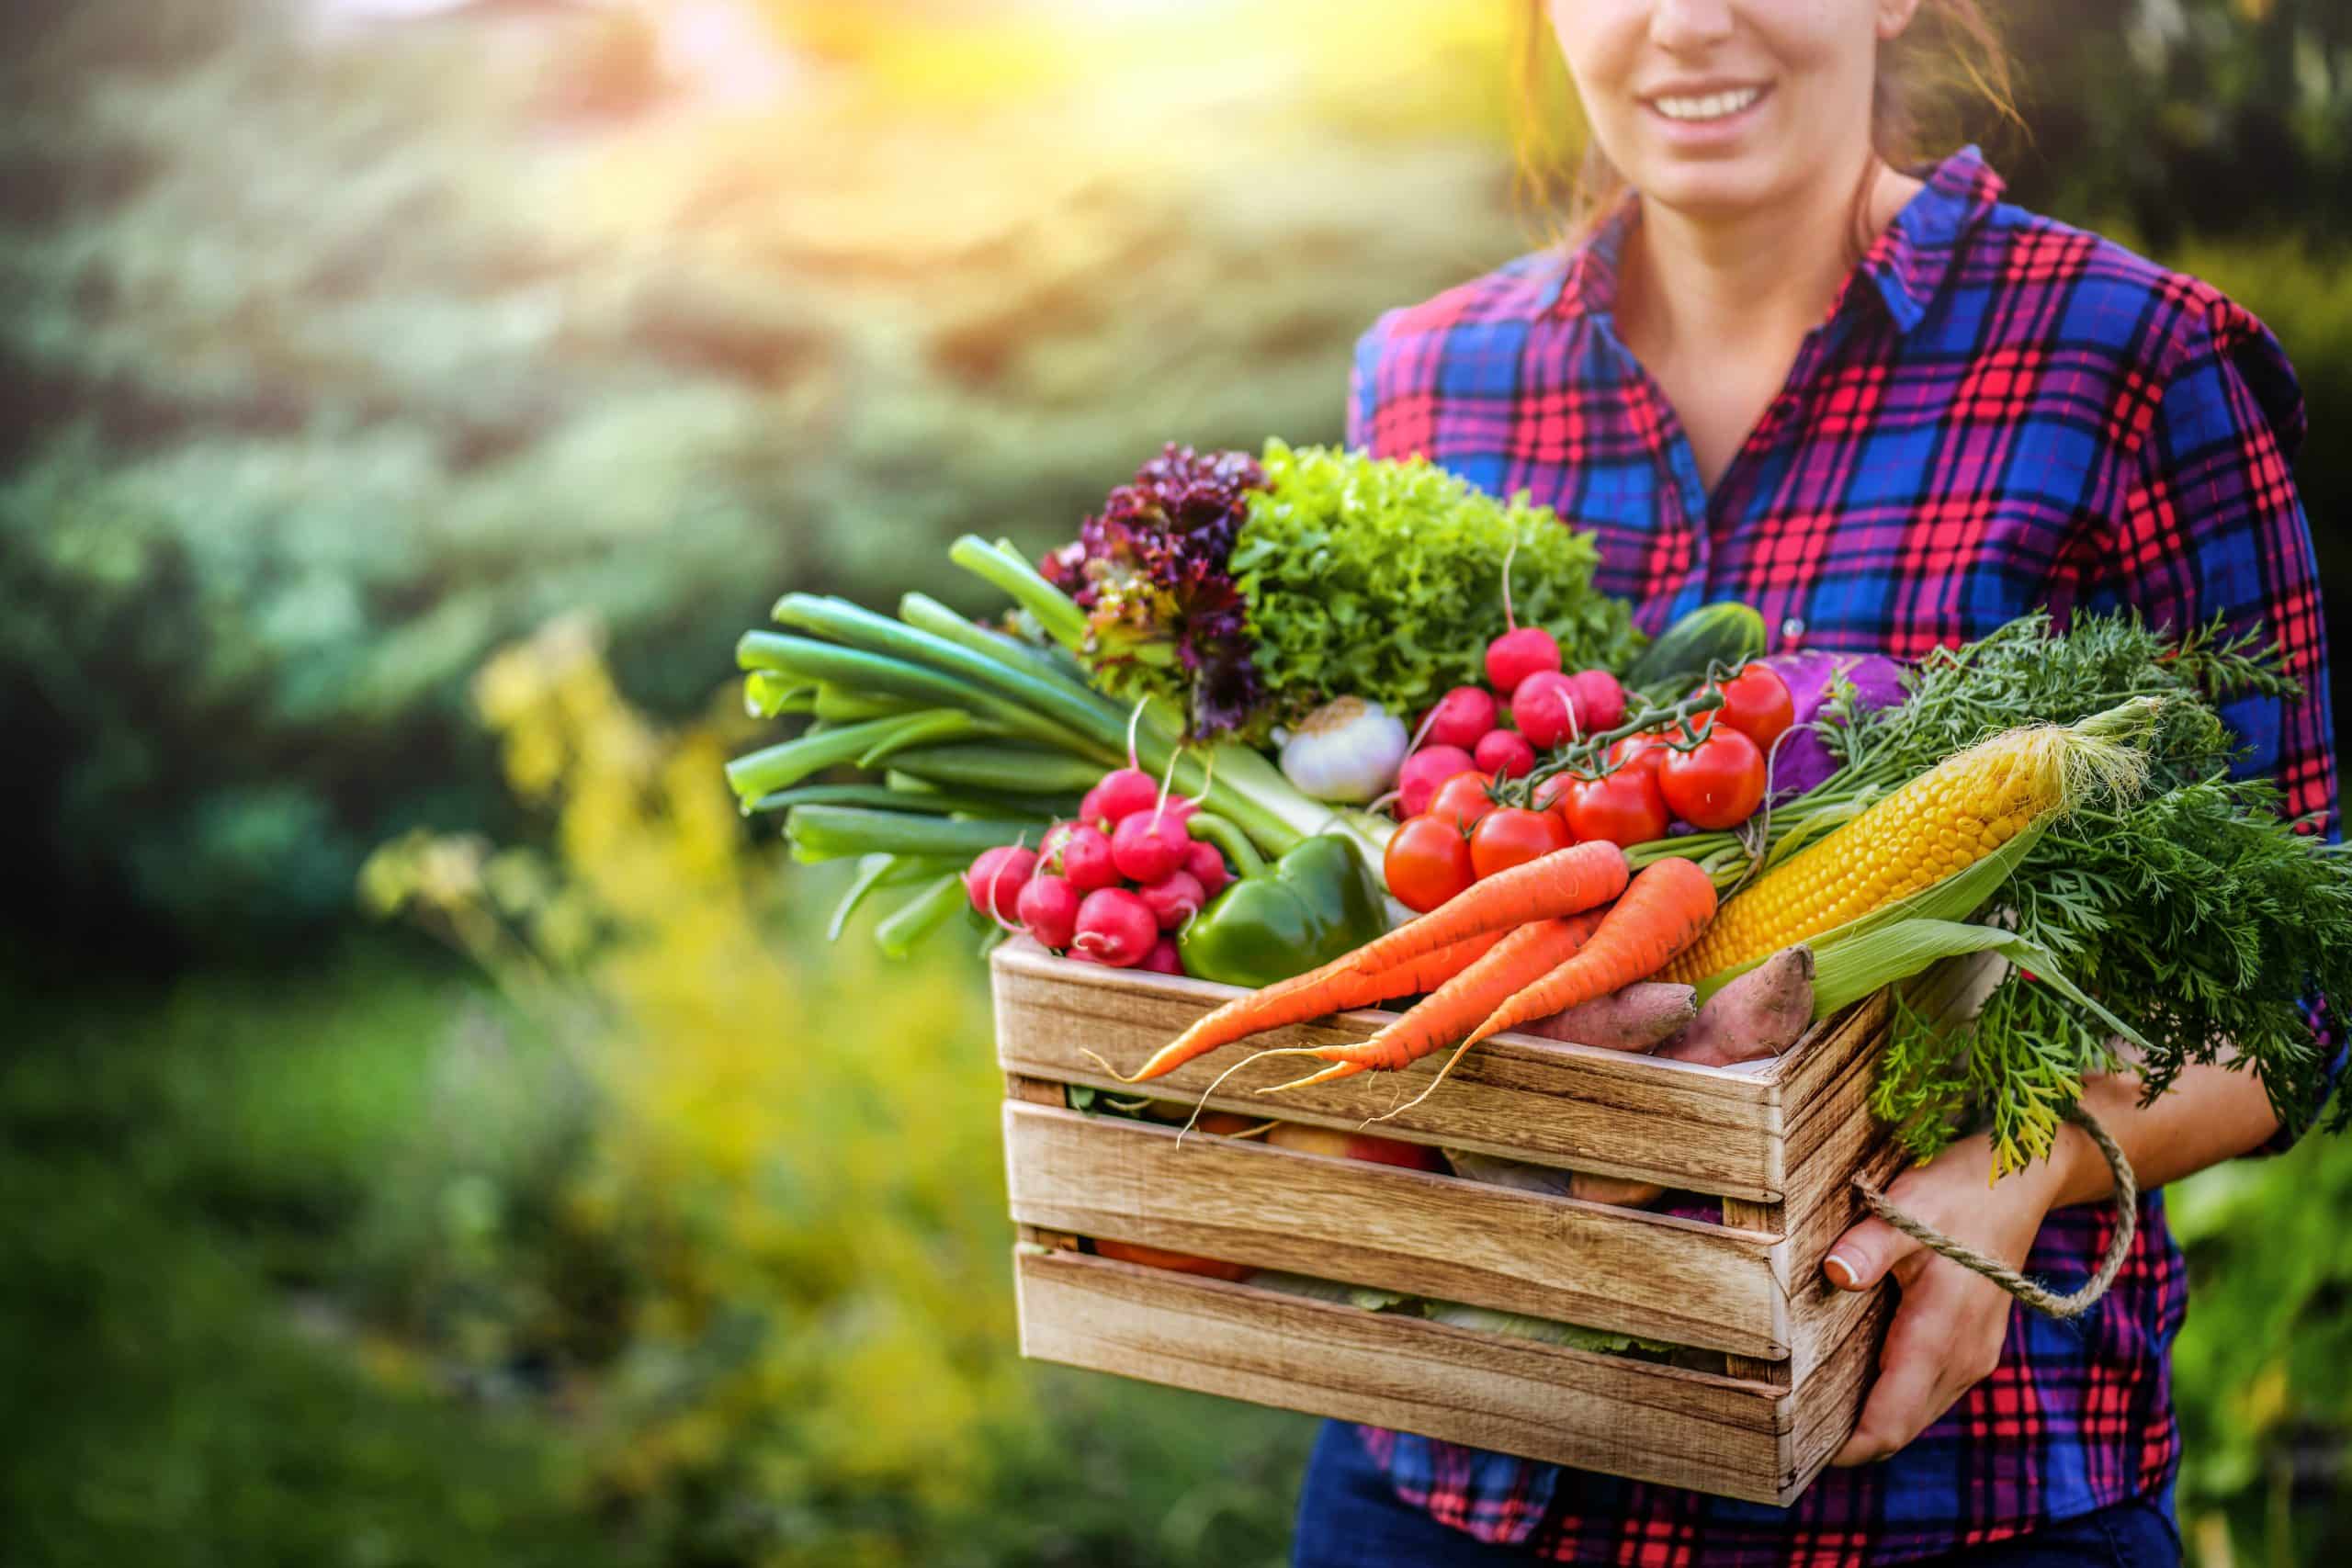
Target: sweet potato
[[1760, 1014], [1634, 1019]]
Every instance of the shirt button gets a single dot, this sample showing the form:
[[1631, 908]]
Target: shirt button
[[1792, 629]]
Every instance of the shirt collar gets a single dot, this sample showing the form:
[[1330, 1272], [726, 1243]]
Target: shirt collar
[[1906, 263]]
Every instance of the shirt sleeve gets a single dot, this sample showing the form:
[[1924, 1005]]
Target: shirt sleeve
[[2210, 526], [1364, 383]]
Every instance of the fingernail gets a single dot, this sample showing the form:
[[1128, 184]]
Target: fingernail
[[1842, 1274]]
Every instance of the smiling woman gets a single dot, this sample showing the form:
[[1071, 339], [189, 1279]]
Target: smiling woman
[[1798, 352]]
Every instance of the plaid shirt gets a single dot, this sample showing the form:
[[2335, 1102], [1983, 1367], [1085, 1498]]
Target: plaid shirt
[[1999, 413]]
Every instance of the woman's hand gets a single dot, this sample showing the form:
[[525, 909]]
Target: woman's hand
[[1949, 1328]]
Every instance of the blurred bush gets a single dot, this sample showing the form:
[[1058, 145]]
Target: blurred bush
[[333, 364]]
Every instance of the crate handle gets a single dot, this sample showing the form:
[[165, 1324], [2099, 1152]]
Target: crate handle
[[2041, 1298]]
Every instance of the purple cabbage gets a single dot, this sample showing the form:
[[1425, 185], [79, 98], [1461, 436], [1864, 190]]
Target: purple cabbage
[[1802, 760], [1151, 571]]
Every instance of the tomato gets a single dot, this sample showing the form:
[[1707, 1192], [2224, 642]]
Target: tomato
[[1641, 753], [1182, 1262], [1624, 808], [1718, 782], [1757, 703], [1462, 800], [1513, 835], [1428, 861]]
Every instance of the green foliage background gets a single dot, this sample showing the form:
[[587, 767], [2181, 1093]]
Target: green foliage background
[[335, 360]]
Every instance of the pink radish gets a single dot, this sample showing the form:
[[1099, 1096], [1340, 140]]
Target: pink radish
[[1544, 709], [1163, 958], [996, 878], [1047, 909], [1114, 926], [1121, 794], [1173, 900], [1423, 772], [1086, 858], [1521, 651], [1514, 656], [1505, 752], [1461, 717], [1148, 845], [1207, 868], [1600, 701]]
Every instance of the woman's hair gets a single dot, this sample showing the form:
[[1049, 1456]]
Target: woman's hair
[[1950, 58]]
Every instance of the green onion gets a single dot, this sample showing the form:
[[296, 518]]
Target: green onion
[[781, 767], [922, 915], [1009, 768], [836, 832]]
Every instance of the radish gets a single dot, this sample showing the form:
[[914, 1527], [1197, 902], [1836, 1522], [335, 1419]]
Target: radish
[[1047, 909], [1505, 752], [1114, 926], [1121, 794], [1461, 717], [1207, 868], [1163, 959], [1086, 858], [1521, 651], [1148, 845], [996, 878], [1544, 708], [1173, 900], [1423, 772], [1600, 701], [1514, 656]]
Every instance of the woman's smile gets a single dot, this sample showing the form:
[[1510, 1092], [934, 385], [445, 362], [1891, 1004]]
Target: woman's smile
[[1699, 113]]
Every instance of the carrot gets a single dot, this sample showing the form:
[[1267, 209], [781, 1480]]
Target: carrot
[[1525, 955], [1663, 911], [1304, 997], [1565, 882]]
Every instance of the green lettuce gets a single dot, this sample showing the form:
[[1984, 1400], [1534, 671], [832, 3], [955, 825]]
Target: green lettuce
[[1384, 579]]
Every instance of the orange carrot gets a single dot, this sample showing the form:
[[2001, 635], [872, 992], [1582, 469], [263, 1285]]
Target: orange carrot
[[1664, 910], [1303, 997], [1519, 960], [1565, 882]]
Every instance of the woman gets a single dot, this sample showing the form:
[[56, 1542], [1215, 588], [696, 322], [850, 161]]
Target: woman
[[1891, 411]]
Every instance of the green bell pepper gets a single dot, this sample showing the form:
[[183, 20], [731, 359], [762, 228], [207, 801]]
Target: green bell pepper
[[1315, 904]]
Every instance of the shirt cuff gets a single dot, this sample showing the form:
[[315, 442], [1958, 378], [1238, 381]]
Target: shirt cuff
[[2327, 1037]]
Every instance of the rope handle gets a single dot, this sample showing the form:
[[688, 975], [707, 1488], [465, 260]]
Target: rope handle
[[2039, 1297]]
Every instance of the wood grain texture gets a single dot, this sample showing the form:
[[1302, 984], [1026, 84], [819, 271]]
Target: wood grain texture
[[1830, 1397], [1440, 1237], [1767, 1218], [1630, 1418], [1517, 1097]]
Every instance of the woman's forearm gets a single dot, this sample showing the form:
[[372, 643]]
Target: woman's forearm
[[2210, 1115]]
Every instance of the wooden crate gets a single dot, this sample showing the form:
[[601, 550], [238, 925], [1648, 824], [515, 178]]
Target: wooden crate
[[1777, 1145]]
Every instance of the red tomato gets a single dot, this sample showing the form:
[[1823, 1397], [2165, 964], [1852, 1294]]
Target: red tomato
[[1428, 861], [1513, 835], [1624, 808], [1641, 753], [1462, 800], [1756, 703], [1718, 782]]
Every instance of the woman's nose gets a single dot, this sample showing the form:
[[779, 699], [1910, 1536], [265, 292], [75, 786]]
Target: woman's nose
[[1684, 25]]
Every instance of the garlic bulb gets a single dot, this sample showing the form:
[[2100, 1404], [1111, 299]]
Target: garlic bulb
[[1348, 750]]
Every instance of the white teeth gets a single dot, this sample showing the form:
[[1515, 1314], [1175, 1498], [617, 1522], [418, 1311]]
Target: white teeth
[[1714, 105]]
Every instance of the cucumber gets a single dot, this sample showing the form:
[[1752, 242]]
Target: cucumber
[[1725, 633]]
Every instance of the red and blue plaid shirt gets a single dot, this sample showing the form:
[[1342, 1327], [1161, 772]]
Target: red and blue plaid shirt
[[1999, 413]]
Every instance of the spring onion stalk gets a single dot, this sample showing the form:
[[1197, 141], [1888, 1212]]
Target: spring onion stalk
[[924, 730], [921, 916], [836, 832], [767, 694], [840, 706], [1004, 567], [926, 614], [1209, 827], [878, 872], [935, 803], [782, 766], [1013, 769]]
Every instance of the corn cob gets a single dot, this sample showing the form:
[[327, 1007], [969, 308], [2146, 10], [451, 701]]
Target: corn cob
[[1934, 827]]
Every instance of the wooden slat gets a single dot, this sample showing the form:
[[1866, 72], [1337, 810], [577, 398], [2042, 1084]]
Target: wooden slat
[[1624, 1417], [1436, 1236], [1515, 1097], [1768, 1218], [1830, 1397]]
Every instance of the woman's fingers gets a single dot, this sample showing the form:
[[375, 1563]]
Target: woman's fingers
[[1862, 1257]]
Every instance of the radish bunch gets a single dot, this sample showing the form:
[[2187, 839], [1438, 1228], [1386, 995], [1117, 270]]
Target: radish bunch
[[1111, 887]]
